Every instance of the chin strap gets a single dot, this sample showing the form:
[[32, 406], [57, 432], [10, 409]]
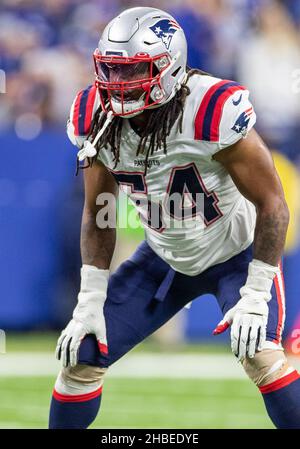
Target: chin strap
[[88, 149], [137, 104]]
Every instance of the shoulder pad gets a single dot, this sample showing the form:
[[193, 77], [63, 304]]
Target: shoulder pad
[[225, 114], [81, 116]]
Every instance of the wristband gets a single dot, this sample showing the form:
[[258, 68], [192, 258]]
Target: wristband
[[93, 279], [259, 281]]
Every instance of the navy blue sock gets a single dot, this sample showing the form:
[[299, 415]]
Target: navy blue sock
[[74, 412], [282, 401]]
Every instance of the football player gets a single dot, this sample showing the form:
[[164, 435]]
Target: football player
[[153, 127]]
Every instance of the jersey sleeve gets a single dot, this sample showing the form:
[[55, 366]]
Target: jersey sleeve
[[224, 116], [237, 119], [81, 115]]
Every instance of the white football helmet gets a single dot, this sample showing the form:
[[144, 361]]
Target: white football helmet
[[140, 61]]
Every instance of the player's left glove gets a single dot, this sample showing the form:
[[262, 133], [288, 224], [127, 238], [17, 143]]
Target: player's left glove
[[249, 317], [88, 316]]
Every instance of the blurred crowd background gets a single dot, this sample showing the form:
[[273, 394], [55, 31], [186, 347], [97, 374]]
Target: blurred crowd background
[[46, 51], [46, 48]]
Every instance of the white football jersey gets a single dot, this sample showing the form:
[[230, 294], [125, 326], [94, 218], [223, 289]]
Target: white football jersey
[[217, 114]]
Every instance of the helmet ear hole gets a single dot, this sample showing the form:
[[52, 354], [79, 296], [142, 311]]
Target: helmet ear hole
[[175, 72]]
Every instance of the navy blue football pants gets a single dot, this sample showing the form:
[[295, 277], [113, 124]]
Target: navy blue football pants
[[145, 292]]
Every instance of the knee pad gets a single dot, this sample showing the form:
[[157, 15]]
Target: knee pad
[[80, 379], [267, 366]]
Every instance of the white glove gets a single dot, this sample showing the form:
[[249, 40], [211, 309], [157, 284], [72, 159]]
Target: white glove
[[249, 317], [88, 317]]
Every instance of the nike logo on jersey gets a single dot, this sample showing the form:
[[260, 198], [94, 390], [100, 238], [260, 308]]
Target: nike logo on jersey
[[237, 102]]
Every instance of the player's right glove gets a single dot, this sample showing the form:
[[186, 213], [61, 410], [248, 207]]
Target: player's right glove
[[88, 317], [248, 318]]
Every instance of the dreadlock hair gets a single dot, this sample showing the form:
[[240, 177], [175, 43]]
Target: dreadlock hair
[[156, 130]]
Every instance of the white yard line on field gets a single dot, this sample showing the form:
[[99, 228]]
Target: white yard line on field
[[197, 366]]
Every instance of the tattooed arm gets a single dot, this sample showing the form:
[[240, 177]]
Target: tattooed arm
[[97, 245], [251, 167]]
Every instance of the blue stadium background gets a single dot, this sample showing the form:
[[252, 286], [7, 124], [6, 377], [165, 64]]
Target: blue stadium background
[[45, 52]]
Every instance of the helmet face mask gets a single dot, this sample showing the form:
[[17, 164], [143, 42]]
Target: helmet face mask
[[140, 61], [126, 84]]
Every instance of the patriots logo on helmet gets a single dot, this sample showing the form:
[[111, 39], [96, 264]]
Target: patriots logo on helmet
[[242, 122], [165, 29]]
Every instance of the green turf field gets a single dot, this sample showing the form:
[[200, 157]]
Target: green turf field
[[38, 341], [143, 403], [139, 402]]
